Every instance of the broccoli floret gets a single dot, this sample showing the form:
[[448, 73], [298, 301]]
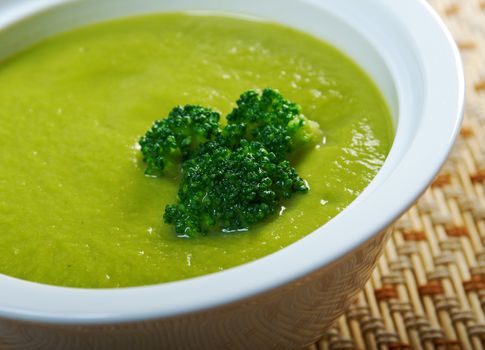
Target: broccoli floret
[[232, 177], [231, 189], [177, 136], [272, 120]]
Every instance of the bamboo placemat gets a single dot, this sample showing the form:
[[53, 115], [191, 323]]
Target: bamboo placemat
[[428, 290]]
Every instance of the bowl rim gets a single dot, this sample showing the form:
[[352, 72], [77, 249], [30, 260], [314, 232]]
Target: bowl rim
[[24, 300]]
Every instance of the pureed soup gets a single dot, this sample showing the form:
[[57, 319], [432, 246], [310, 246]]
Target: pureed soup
[[75, 207]]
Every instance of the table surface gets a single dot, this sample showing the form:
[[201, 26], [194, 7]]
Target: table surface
[[428, 289]]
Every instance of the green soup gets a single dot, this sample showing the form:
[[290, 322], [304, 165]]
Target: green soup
[[75, 206]]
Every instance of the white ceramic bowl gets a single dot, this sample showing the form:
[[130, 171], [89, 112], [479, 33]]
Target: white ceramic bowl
[[286, 299]]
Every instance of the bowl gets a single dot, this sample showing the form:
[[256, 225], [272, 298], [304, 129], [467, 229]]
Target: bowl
[[287, 299]]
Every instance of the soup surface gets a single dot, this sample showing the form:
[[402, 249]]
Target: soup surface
[[75, 206]]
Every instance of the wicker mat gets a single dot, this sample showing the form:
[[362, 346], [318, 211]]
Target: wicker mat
[[428, 290]]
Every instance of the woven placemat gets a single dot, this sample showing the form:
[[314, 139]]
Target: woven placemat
[[428, 290]]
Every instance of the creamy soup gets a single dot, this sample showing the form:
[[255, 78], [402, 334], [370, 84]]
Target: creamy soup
[[75, 206]]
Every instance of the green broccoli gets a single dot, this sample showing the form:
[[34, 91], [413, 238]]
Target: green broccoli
[[231, 189], [232, 177], [272, 120], [176, 136]]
